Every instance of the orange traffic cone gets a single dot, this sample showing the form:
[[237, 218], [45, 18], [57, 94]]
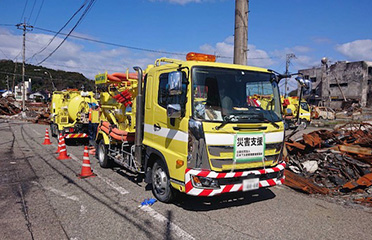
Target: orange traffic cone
[[92, 150], [46, 139], [59, 143], [63, 152], [86, 171]]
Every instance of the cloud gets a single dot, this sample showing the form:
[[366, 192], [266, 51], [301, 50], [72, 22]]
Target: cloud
[[225, 49], [356, 50], [72, 56]]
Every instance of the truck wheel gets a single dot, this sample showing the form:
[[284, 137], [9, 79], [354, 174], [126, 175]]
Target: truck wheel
[[103, 160], [306, 122], [161, 187]]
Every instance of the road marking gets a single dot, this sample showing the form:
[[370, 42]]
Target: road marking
[[62, 194], [157, 216], [112, 184], [83, 209], [160, 218]]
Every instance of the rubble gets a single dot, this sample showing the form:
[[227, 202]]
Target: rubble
[[8, 106], [34, 112], [338, 163]]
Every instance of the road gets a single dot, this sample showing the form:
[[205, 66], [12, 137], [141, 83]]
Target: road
[[41, 198]]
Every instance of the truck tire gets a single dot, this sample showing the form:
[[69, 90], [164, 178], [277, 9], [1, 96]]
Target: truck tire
[[161, 187], [103, 159], [307, 123]]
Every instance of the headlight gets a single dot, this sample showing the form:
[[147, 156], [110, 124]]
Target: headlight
[[204, 182]]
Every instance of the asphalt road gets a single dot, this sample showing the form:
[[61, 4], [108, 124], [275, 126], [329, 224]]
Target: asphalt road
[[41, 198]]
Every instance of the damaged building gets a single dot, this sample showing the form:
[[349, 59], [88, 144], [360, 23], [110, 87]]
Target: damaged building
[[340, 84]]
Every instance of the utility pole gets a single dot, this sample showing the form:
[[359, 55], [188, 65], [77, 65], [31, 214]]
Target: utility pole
[[15, 70], [241, 32], [289, 56], [25, 28], [7, 82]]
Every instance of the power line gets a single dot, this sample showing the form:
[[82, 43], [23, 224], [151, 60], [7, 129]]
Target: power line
[[4, 53], [24, 9], [133, 48], [114, 44], [51, 40], [32, 10], [77, 23], [38, 13], [7, 25]]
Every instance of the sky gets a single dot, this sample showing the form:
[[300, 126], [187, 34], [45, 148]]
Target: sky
[[140, 31]]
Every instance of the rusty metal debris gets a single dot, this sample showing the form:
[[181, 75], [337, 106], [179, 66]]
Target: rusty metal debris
[[335, 162]]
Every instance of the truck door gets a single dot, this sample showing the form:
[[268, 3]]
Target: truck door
[[170, 136]]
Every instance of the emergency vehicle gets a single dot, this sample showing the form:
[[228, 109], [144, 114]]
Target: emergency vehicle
[[71, 113], [196, 126]]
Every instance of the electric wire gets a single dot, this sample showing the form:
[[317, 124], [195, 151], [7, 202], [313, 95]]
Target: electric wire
[[134, 48], [32, 10], [56, 34], [24, 9], [77, 23], [38, 13], [7, 25], [4, 54]]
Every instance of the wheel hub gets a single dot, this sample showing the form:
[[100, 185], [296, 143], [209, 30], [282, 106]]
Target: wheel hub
[[160, 179]]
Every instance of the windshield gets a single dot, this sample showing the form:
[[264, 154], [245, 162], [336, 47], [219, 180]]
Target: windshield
[[234, 95]]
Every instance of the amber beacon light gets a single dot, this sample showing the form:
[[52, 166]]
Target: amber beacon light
[[192, 56]]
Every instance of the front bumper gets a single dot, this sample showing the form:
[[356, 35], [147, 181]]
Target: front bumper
[[233, 181]]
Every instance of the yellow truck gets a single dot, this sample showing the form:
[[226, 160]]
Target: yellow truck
[[291, 111], [196, 126], [72, 114]]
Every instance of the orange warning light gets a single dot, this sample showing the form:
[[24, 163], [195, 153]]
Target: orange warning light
[[192, 56]]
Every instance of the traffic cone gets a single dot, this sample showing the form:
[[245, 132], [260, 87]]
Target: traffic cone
[[59, 143], [63, 152], [92, 150], [46, 139], [86, 171]]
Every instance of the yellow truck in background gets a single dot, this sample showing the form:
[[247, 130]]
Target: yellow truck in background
[[72, 115], [196, 126], [291, 111]]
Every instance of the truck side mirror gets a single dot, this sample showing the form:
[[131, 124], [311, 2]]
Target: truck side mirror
[[174, 110], [306, 84], [175, 83]]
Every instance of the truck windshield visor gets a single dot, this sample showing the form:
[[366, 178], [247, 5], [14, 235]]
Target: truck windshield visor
[[234, 95]]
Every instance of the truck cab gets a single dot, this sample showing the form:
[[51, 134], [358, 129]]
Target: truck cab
[[219, 130]]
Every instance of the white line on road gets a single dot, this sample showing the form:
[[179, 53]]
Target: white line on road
[[112, 184], [157, 216], [160, 218]]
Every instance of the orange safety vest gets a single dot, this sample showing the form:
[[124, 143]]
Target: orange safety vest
[[90, 114]]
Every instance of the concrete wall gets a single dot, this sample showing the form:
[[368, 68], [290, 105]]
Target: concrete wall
[[343, 80]]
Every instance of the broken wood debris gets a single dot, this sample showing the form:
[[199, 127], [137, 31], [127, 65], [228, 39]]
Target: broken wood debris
[[34, 112], [8, 106], [335, 162]]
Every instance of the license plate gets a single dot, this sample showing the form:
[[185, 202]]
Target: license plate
[[250, 184]]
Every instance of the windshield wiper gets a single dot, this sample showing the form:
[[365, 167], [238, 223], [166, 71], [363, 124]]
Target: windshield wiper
[[227, 119], [272, 122]]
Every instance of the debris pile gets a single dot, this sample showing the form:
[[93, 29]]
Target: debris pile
[[335, 162], [38, 113], [8, 106], [34, 112]]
